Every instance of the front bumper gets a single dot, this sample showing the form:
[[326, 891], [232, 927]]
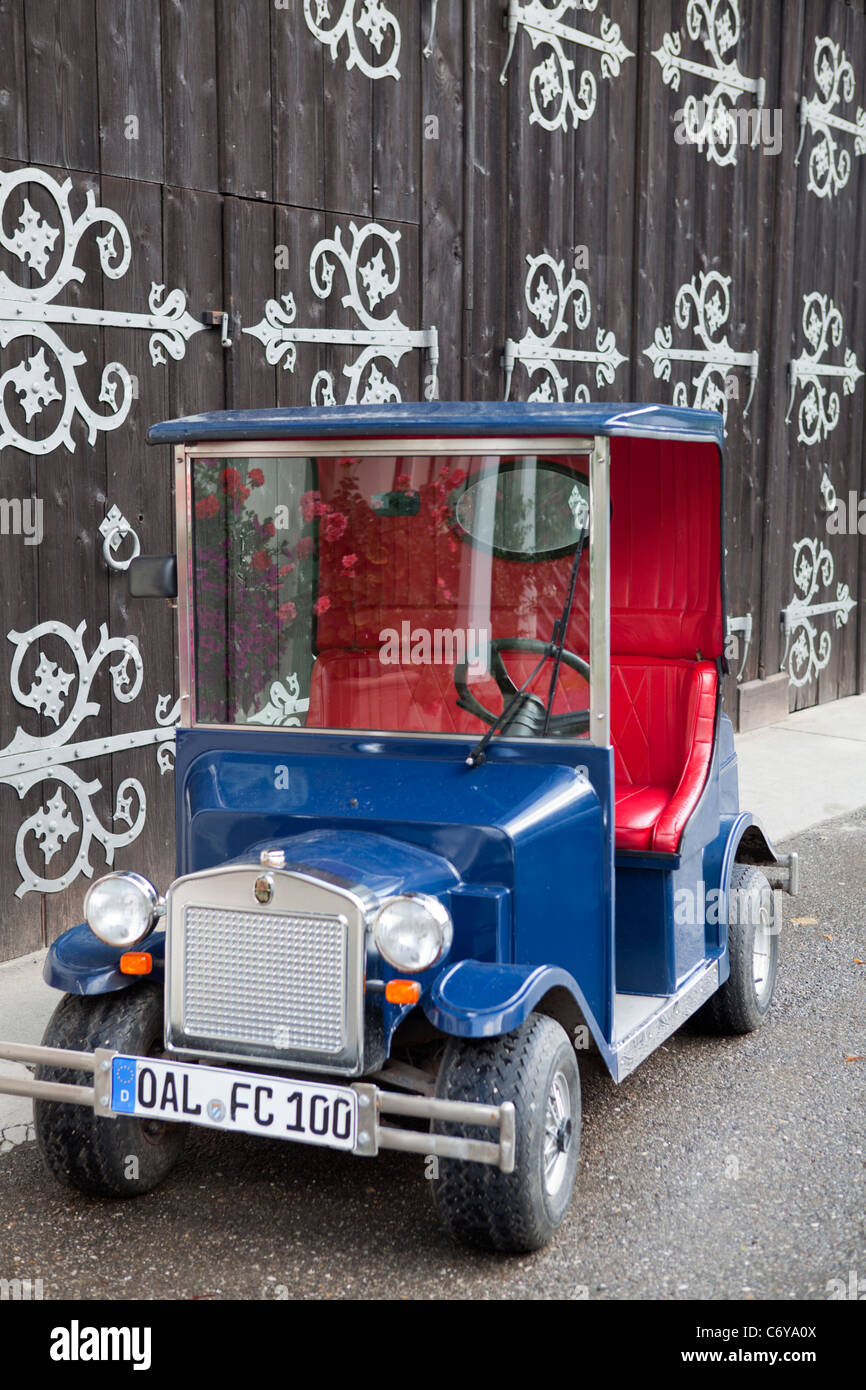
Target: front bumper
[[373, 1103]]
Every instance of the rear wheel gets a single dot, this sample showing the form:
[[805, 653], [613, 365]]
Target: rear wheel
[[121, 1157], [742, 1003], [535, 1067]]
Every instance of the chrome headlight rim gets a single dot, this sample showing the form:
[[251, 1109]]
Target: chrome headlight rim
[[442, 924], [151, 908]]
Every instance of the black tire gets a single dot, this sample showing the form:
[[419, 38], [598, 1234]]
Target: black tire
[[81, 1148], [478, 1204], [741, 1005]]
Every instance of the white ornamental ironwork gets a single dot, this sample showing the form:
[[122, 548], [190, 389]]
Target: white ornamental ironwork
[[114, 529], [550, 82], [375, 278], [548, 297], [376, 22], [284, 706], [427, 50], [708, 120], [806, 653], [818, 412], [57, 756], [708, 295], [735, 626], [830, 165], [30, 312]]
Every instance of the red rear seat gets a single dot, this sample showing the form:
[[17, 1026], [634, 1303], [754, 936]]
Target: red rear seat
[[662, 717]]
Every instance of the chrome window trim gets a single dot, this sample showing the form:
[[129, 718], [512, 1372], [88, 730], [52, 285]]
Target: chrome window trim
[[318, 900], [596, 449]]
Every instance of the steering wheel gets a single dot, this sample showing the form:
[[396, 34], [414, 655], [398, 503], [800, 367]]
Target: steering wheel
[[528, 719]]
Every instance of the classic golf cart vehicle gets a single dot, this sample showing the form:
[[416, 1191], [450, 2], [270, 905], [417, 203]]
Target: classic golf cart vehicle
[[455, 800]]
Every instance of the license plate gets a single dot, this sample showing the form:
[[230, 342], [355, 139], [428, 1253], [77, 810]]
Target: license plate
[[279, 1107]]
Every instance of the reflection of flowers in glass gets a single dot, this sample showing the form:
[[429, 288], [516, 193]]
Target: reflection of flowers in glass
[[335, 526], [287, 612], [304, 548], [256, 477], [312, 506], [456, 479], [321, 605], [349, 562], [236, 574]]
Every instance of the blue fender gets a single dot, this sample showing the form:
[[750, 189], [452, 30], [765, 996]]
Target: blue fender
[[79, 963], [719, 859], [477, 999]]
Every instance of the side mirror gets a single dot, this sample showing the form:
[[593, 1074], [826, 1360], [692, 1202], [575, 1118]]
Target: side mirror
[[153, 576]]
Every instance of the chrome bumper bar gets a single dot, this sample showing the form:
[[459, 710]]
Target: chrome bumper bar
[[373, 1103]]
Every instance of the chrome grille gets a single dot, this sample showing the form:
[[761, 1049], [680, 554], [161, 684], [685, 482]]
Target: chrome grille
[[270, 980]]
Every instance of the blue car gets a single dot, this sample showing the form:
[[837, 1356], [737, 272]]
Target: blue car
[[456, 803]]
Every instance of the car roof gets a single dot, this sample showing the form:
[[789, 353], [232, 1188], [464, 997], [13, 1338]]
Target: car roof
[[410, 419]]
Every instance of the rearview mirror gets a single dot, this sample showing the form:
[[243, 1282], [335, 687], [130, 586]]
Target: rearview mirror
[[153, 576]]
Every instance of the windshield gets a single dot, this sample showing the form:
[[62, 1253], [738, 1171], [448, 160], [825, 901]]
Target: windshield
[[382, 593]]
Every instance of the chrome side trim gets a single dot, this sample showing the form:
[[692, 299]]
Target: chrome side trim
[[186, 636], [599, 593], [629, 1051], [389, 447]]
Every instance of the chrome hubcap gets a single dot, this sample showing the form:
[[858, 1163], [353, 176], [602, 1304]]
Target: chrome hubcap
[[557, 1134], [762, 957]]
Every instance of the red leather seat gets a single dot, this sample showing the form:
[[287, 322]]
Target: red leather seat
[[662, 719], [357, 690]]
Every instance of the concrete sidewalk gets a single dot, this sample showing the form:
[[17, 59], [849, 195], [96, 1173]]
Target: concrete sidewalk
[[806, 769], [795, 774]]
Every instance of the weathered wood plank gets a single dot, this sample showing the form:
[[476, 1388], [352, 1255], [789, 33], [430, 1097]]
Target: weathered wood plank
[[397, 125], [62, 110], [13, 81], [138, 482], [297, 83], [244, 66], [441, 156], [248, 238], [129, 53], [191, 117]]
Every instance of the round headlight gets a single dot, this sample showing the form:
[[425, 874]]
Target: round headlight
[[121, 909], [412, 932]]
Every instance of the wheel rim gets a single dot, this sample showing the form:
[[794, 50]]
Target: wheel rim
[[762, 958], [558, 1134]]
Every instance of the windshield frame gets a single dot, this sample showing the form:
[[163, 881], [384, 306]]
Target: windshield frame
[[595, 449]]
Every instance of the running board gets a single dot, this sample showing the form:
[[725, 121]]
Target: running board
[[630, 1050]]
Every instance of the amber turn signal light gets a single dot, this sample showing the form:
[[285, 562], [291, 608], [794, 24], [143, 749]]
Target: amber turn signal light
[[402, 991], [136, 963]]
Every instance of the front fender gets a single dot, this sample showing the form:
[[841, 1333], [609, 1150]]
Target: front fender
[[79, 963], [477, 999]]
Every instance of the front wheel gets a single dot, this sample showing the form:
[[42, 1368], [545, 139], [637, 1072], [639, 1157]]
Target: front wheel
[[535, 1067], [121, 1157]]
